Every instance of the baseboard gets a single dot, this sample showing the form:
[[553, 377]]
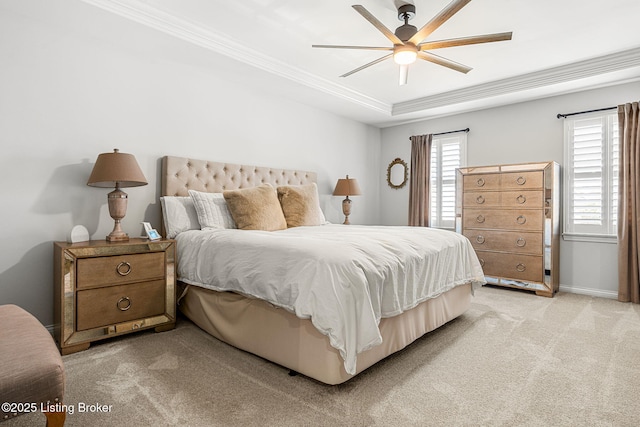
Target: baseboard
[[50, 329], [589, 291]]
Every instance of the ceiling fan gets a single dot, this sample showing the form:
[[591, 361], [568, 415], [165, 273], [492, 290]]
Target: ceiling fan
[[408, 41]]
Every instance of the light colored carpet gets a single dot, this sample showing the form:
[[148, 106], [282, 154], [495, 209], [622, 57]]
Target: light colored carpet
[[514, 359]]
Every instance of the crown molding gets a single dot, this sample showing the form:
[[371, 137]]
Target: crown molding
[[562, 74], [191, 32]]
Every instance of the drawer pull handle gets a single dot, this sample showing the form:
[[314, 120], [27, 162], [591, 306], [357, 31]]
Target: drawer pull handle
[[521, 242], [123, 271], [121, 304], [480, 219], [481, 262], [480, 200], [521, 267], [480, 182], [480, 239], [521, 220], [521, 180], [521, 199]]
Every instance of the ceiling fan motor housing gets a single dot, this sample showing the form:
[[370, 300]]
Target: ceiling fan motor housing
[[406, 12], [405, 32]]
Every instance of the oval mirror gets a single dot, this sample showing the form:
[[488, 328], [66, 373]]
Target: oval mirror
[[397, 173]]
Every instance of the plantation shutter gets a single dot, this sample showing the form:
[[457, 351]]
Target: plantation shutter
[[447, 154], [591, 175]]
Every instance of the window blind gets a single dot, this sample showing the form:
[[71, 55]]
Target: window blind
[[447, 154], [591, 175]]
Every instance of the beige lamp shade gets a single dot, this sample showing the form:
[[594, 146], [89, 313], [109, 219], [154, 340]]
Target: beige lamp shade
[[116, 168], [347, 187]]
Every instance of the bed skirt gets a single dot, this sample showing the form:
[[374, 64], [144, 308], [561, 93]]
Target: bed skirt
[[277, 335]]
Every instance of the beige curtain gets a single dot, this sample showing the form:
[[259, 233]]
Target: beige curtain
[[419, 187], [628, 204]]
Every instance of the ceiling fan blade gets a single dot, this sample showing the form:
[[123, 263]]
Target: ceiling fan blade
[[463, 41], [442, 17], [379, 25], [444, 62], [332, 46], [404, 74], [367, 65]]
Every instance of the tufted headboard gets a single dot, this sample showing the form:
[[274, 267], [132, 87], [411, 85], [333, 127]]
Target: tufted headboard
[[180, 174]]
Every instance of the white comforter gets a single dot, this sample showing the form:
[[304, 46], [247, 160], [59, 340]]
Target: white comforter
[[344, 278]]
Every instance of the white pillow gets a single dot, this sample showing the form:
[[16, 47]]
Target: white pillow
[[179, 214], [212, 210]]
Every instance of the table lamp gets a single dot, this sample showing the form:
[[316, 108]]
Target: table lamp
[[117, 170], [347, 187]]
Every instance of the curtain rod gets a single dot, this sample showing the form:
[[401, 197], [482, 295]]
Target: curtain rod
[[584, 112], [451, 131]]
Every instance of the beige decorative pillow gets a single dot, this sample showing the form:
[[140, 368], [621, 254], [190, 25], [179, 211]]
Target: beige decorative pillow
[[255, 208], [300, 204]]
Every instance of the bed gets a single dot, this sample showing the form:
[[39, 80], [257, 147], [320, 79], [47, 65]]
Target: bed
[[314, 299]]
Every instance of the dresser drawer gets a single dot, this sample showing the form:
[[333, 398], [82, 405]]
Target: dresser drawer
[[485, 182], [507, 219], [116, 304], [508, 241], [95, 272], [526, 199], [481, 199], [526, 180], [512, 266]]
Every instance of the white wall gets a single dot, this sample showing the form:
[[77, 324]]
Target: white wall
[[75, 83], [519, 133]]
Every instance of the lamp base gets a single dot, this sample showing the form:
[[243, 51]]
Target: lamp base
[[117, 235], [346, 210], [114, 239], [117, 201]]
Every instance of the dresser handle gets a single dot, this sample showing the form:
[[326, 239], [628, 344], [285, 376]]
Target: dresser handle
[[521, 220], [521, 199], [521, 242], [521, 180], [481, 262], [480, 219], [520, 267], [120, 270], [480, 200], [123, 307], [480, 182], [480, 239]]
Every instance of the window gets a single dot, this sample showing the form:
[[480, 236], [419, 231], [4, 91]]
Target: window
[[591, 177], [448, 152]]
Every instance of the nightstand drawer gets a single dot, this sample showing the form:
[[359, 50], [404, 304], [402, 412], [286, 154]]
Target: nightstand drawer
[[116, 304], [100, 271]]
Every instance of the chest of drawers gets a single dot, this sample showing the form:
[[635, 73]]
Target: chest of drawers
[[107, 289], [510, 213]]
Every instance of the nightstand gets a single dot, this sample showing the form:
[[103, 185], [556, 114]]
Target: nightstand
[[106, 289]]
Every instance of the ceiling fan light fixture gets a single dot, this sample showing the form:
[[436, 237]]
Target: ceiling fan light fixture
[[409, 43], [405, 54]]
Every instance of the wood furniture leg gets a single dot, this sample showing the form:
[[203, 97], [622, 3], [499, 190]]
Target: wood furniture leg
[[55, 419]]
